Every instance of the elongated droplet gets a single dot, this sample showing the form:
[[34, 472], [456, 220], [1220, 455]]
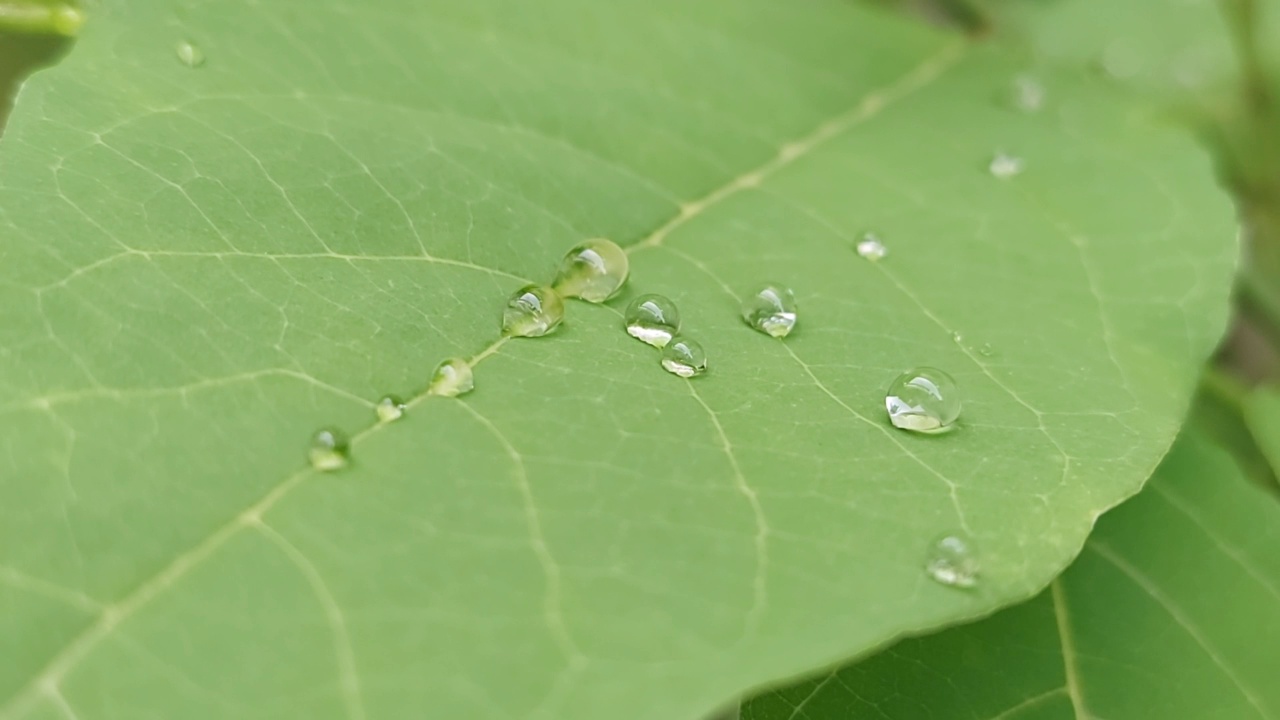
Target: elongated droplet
[[389, 408], [452, 378], [684, 357], [189, 54], [653, 319], [871, 248], [924, 400], [593, 271], [330, 450], [952, 561], [1004, 166], [532, 311], [1028, 94], [771, 310]]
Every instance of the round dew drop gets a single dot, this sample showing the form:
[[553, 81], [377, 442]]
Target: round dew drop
[[684, 357], [1004, 166], [452, 378], [771, 310], [871, 248], [652, 319], [330, 450], [532, 311], [389, 408], [951, 561], [924, 400], [189, 55], [593, 271]]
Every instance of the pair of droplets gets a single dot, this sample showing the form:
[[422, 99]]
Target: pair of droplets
[[924, 399]]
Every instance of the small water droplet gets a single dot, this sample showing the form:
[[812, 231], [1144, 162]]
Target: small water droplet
[[532, 311], [330, 450], [771, 310], [952, 561], [593, 271], [1120, 60], [986, 350], [871, 248], [653, 319], [957, 336], [1028, 93], [453, 377], [684, 357], [389, 408], [1005, 166], [189, 54], [925, 400]]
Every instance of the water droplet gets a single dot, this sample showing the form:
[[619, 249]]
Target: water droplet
[[952, 562], [189, 54], [771, 310], [593, 271], [923, 400], [986, 350], [330, 450], [653, 319], [1028, 93], [390, 408], [1120, 60], [957, 336], [532, 311], [453, 377], [871, 248], [684, 357], [1005, 166]]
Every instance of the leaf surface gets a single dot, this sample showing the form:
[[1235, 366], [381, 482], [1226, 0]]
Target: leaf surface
[[1167, 613], [202, 266]]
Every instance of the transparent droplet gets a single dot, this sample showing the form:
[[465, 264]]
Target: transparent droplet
[[952, 561], [653, 319], [684, 357], [593, 271], [1028, 93], [923, 400], [389, 408], [330, 450], [986, 350], [871, 248], [532, 311], [957, 336], [189, 54], [1005, 166], [771, 310], [452, 378]]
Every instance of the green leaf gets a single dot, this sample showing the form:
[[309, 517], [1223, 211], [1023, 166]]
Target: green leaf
[[1262, 415], [55, 17], [1168, 613], [204, 265]]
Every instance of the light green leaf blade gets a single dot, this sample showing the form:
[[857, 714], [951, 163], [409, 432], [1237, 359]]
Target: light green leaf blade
[[205, 265], [1168, 612]]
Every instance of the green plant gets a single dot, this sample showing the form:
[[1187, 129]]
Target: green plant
[[228, 225]]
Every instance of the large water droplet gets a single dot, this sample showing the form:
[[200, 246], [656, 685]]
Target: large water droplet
[[952, 561], [1005, 166], [771, 310], [532, 311], [653, 319], [871, 248], [593, 271], [452, 378], [189, 54], [330, 450], [684, 357], [923, 400], [389, 408]]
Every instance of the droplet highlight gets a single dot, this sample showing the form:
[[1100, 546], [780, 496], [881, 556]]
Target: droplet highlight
[[952, 561], [684, 357], [330, 450], [453, 377], [189, 54], [871, 248], [389, 408], [924, 400], [652, 319], [771, 310], [593, 271], [1004, 166], [532, 311]]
